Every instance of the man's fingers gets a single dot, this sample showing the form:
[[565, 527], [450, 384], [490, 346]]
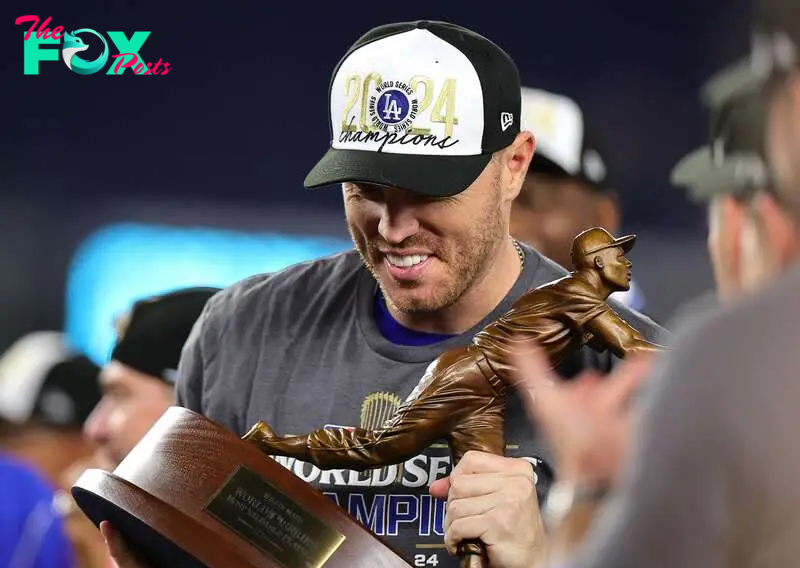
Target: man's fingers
[[533, 368], [117, 549], [484, 462], [464, 529], [470, 507], [625, 380], [476, 485], [440, 488]]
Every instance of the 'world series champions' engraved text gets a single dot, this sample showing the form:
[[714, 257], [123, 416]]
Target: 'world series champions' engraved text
[[257, 511]]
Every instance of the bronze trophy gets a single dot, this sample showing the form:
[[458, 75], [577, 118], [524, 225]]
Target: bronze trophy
[[192, 494]]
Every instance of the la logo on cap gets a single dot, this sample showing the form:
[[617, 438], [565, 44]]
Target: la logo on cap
[[393, 107]]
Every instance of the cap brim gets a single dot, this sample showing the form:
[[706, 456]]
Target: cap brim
[[436, 176], [741, 78], [703, 178], [542, 164], [626, 242]]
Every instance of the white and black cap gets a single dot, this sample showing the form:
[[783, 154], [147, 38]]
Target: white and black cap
[[420, 106], [564, 144], [43, 381]]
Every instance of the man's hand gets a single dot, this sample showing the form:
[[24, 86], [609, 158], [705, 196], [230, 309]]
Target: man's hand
[[586, 420], [493, 499], [119, 551]]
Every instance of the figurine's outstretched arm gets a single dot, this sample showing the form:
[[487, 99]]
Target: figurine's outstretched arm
[[455, 391], [414, 428], [622, 339]]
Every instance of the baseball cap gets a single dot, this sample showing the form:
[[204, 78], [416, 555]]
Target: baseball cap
[[564, 144], [597, 239], [43, 381], [775, 49], [150, 337], [420, 106], [733, 163]]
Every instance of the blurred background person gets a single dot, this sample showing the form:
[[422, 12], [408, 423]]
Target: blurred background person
[[567, 189], [32, 533], [46, 393], [138, 381], [137, 388], [726, 398]]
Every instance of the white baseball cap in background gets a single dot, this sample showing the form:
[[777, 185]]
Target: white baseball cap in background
[[563, 144], [43, 381]]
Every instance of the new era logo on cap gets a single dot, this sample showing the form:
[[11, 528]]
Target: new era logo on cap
[[419, 106]]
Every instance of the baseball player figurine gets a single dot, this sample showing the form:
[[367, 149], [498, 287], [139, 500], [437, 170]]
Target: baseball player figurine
[[461, 397]]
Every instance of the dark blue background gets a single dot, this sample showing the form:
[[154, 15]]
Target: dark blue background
[[242, 115]]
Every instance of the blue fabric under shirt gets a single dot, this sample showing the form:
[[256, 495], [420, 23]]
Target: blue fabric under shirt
[[399, 334]]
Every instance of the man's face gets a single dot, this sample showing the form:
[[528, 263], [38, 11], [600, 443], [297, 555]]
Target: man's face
[[426, 252], [783, 134], [725, 221], [551, 211], [131, 404], [616, 269]]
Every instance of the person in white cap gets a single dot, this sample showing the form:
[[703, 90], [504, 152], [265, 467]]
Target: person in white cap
[[568, 188]]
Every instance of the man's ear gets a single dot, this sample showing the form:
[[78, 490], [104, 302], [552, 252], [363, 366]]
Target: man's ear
[[598, 262], [777, 227], [516, 159]]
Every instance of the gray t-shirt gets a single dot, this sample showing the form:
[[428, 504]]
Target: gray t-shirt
[[713, 480], [301, 349]]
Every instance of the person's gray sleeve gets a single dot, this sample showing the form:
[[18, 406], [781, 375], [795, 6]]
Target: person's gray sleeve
[[671, 506], [194, 357]]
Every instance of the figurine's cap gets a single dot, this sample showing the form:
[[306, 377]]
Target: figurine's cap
[[597, 239]]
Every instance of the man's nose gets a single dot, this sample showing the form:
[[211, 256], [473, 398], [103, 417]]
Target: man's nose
[[94, 428], [398, 218]]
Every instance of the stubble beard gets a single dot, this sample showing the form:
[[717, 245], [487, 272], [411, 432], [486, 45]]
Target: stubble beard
[[464, 262]]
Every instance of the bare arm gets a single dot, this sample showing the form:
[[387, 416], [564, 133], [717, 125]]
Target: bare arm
[[623, 340]]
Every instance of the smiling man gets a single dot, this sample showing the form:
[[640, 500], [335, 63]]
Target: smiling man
[[427, 147]]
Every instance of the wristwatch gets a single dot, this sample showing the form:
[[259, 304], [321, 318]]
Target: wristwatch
[[564, 496]]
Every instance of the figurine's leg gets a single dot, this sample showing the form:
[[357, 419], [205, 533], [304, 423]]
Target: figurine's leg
[[482, 431]]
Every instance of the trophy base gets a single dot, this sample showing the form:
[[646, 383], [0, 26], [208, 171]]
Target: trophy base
[[193, 495], [159, 533]]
